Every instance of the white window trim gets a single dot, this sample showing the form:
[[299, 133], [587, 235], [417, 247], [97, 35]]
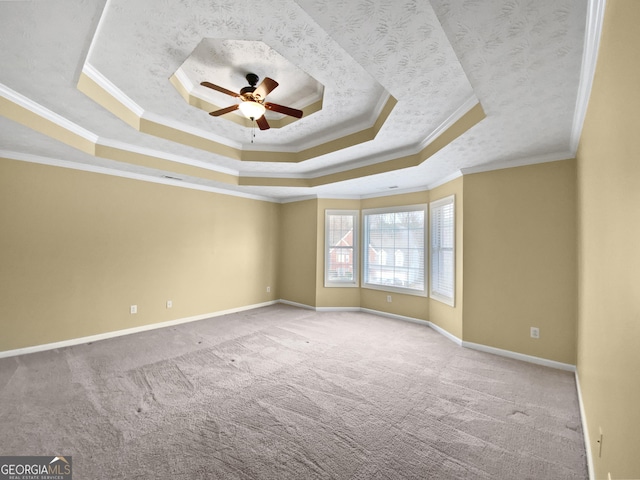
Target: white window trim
[[364, 250], [432, 207], [356, 254]]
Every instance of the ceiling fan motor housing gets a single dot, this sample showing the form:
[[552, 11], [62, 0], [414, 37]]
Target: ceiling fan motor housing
[[252, 79]]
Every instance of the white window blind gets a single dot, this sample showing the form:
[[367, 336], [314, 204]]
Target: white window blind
[[443, 250], [341, 243], [394, 249]]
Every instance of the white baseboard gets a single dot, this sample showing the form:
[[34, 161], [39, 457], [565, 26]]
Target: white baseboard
[[585, 431], [153, 326], [443, 332], [296, 304], [127, 331], [396, 316], [338, 309], [520, 356], [438, 329], [474, 346]]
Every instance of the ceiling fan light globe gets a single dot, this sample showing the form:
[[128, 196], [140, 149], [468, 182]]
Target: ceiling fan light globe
[[252, 110]]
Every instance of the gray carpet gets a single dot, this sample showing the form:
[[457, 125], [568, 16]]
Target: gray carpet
[[285, 393]]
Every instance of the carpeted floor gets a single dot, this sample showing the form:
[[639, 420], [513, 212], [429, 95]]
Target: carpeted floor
[[286, 393]]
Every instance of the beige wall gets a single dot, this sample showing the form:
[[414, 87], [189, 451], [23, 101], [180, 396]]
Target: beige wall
[[111, 242], [302, 237], [445, 316], [298, 250], [77, 249], [609, 248], [520, 259]]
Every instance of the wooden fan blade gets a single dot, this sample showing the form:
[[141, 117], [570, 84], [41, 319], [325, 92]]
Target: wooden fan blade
[[262, 123], [219, 89], [274, 107], [222, 111], [267, 86]]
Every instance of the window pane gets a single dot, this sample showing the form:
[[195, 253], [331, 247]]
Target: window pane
[[341, 264], [340, 241], [395, 249], [341, 230], [443, 250]]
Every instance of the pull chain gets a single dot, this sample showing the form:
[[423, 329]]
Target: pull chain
[[253, 129]]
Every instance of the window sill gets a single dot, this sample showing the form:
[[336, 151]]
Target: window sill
[[446, 300], [392, 289], [341, 285]]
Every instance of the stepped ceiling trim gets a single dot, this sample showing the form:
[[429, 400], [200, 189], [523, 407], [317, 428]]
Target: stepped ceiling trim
[[394, 82]]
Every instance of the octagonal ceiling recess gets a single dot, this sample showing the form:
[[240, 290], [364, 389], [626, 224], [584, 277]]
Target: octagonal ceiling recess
[[227, 63], [391, 89]]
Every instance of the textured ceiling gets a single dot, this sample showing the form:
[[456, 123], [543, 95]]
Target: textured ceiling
[[81, 80]]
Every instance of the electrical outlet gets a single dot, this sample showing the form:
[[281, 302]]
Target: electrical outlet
[[388, 298], [133, 309], [169, 303], [535, 332], [268, 289]]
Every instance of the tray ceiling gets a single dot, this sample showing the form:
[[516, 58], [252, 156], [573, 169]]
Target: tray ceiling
[[401, 94]]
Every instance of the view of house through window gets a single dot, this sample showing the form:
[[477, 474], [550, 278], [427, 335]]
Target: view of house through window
[[341, 241], [394, 243]]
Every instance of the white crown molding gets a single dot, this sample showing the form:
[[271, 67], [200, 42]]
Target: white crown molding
[[294, 200], [183, 127], [184, 80], [85, 167], [371, 160], [464, 108], [520, 162], [457, 114], [273, 174], [95, 75], [329, 196], [447, 179], [45, 113], [107, 142], [395, 191], [98, 31], [353, 127], [593, 32], [127, 331], [333, 134]]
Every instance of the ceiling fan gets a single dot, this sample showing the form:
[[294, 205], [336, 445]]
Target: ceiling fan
[[252, 104]]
